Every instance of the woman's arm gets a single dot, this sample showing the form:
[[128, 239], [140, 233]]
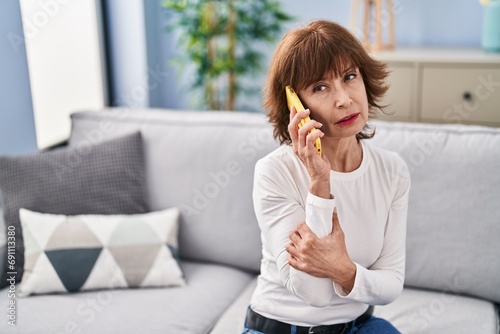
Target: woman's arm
[[278, 214], [323, 257]]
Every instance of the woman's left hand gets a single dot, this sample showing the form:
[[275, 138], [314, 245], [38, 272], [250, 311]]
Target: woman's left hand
[[325, 257]]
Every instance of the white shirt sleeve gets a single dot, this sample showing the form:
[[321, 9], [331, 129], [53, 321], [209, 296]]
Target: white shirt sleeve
[[278, 215]]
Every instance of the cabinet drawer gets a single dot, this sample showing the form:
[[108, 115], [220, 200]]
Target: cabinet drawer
[[398, 97], [461, 95]]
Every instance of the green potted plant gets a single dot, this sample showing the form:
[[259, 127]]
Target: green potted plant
[[220, 37]]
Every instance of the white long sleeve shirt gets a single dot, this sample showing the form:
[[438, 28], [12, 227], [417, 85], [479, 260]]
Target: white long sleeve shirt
[[371, 204]]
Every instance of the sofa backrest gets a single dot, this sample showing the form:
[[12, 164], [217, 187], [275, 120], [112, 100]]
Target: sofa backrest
[[454, 207], [201, 162]]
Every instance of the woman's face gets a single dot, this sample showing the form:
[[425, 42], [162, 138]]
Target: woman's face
[[339, 103]]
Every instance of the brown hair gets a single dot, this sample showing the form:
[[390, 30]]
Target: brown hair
[[303, 57]]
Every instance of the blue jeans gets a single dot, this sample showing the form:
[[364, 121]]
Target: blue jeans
[[373, 325]]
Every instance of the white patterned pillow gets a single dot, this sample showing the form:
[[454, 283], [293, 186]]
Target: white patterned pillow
[[87, 252]]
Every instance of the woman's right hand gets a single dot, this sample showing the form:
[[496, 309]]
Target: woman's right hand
[[303, 141]]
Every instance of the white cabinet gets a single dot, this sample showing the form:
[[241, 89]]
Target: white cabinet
[[399, 97], [443, 86]]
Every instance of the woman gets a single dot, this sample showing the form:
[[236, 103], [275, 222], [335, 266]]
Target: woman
[[333, 226]]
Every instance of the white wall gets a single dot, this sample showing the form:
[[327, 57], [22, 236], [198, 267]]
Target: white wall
[[65, 63]]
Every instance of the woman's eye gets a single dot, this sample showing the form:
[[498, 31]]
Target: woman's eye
[[319, 88], [350, 76]]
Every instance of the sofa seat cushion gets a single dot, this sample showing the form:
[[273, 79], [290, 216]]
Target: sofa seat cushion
[[190, 309], [233, 319], [414, 312], [422, 312]]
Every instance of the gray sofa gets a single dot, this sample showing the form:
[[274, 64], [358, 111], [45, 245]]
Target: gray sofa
[[202, 162]]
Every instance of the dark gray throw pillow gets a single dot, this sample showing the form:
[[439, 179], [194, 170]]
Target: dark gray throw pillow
[[107, 178]]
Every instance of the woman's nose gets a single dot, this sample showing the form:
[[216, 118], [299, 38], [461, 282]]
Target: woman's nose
[[342, 98]]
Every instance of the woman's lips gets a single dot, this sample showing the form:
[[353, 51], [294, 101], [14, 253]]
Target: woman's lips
[[348, 120]]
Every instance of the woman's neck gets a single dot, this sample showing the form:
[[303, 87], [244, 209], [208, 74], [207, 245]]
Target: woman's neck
[[345, 154]]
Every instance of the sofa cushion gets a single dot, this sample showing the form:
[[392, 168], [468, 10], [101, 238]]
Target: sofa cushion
[[423, 312], [233, 319], [414, 312], [202, 163], [88, 252], [106, 178], [453, 213], [190, 309]]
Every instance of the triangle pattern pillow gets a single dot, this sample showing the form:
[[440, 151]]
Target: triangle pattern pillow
[[87, 252]]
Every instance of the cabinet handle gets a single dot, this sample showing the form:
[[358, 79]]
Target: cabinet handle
[[467, 96]]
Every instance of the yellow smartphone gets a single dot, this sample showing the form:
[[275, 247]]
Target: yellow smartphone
[[293, 100]]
